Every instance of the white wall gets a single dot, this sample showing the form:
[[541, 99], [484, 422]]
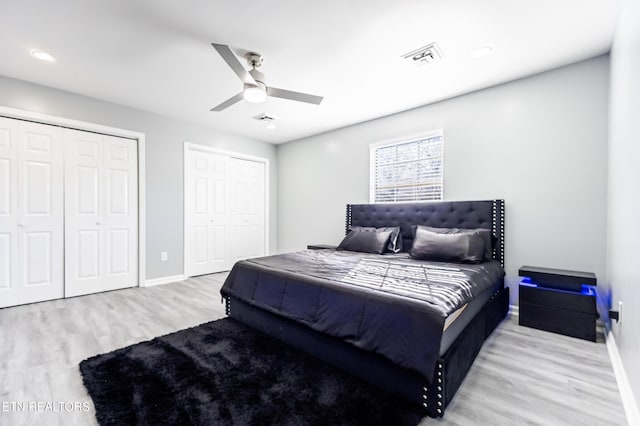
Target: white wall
[[540, 143], [164, 160], [624, 190]]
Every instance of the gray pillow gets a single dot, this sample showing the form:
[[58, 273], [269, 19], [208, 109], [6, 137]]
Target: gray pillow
[[365, 241], [465, 247], [395, 241], [486, 234]]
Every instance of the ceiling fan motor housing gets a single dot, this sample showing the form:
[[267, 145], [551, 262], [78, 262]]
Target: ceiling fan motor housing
[[254, 59]]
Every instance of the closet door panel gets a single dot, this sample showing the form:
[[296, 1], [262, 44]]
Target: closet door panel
[[8, 212], [7, 253], [121, 212], [197, 194], [87, 190], [84, 233], [206, 213], [219, 214], [102, 214], [41, 214], [118, 252], [6, 185], [38, 260], [37, 179], [88, 264], [247, 204]]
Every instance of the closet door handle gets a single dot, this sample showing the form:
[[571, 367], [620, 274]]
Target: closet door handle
[[98, 223], [21, 225]]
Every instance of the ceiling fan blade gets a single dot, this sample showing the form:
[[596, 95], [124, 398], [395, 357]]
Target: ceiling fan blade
[[234, 63], [226, 104], [294, 96]]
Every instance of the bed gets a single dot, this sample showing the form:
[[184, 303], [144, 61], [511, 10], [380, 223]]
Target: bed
[[411, 327]]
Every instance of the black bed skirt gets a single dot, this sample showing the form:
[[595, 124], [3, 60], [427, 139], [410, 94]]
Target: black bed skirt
[[433, 396]]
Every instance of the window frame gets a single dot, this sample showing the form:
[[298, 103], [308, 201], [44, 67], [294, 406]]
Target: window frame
[[398, 141]]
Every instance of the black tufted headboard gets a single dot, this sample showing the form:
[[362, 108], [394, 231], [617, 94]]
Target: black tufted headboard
[[487, 214]]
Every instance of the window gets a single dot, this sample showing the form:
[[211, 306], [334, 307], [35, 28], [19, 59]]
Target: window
[[410, 170]]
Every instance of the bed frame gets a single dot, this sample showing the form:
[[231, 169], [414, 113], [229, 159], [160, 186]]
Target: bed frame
[[451, 368]]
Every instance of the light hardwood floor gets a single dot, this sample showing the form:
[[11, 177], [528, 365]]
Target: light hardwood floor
[[521, 376]]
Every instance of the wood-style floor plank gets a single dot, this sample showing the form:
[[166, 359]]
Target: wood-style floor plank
[[521, 376]]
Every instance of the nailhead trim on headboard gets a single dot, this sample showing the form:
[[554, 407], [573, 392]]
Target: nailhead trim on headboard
[[348, 221], [498, 230]]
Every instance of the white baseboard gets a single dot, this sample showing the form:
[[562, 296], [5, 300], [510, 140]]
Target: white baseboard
[[514, 310], [626, 394], [164, 280]]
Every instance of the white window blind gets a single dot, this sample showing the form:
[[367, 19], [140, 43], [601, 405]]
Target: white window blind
[[407, 171]]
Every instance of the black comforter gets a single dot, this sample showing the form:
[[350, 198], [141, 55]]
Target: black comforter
[[391, 304]]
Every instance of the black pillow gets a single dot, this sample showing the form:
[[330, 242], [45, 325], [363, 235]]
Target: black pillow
[[466, 247], [486, 234], [365, 241], [395, 241]]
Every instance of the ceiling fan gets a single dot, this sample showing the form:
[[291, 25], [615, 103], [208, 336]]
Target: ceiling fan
[[255, 87]]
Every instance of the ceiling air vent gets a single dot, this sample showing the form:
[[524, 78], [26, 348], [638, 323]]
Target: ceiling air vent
[[269, 120], [265, 117], [425, 55]]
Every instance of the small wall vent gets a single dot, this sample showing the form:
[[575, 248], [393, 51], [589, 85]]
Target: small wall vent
[[425, 55]]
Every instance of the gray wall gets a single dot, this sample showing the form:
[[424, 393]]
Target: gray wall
[[164, 165], [624, 190], [540, 143]]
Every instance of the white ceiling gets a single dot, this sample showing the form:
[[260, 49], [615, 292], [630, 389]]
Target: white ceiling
[[156, 54]]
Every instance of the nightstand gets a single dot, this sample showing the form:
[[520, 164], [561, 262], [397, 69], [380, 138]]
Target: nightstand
[[559, 301], [320, 246]]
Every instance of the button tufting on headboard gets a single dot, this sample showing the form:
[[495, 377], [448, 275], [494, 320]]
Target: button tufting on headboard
[[442, 214]]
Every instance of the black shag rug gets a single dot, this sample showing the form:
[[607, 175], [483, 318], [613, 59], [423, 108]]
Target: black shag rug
[[225, 373]]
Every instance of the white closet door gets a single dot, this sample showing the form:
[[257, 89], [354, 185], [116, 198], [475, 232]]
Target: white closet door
[[8, 212], [121, 212], [40, 213], [247, 208], [206, 200], [101, 217], [84, 236]]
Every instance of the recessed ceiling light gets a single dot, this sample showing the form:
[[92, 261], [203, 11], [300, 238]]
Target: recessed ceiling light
[[480, 52], [43, 56]]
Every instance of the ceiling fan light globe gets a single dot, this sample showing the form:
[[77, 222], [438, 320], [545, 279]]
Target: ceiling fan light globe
[[254, 94]]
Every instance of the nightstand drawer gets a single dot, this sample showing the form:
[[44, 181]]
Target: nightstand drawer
[[557, 320], [566, 300]]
